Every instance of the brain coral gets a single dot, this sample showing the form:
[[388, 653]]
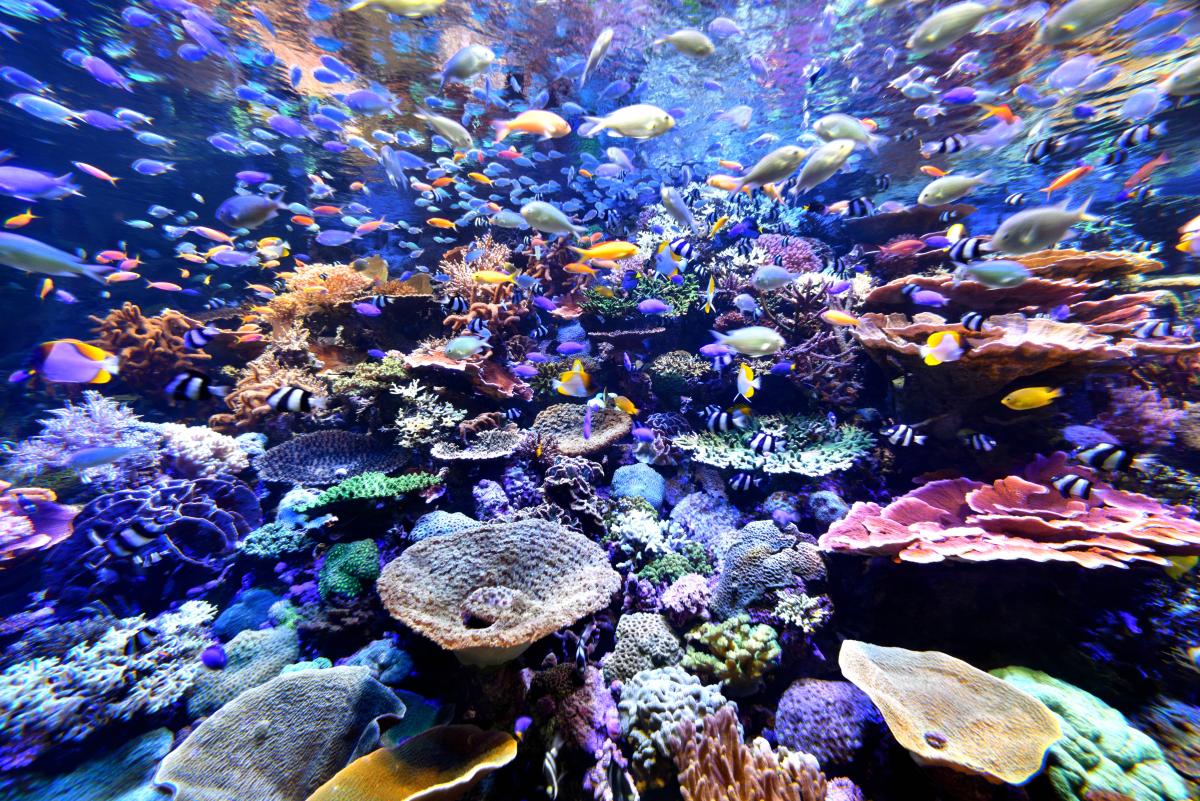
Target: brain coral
[[829, 719], [327, 457], [281, 740], [1099, 751], [644, 641], [947, 713], [487, 593], [254, 657]]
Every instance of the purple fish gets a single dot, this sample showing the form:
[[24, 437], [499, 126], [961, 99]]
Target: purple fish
[[960, 95], [137, 18], [334, 238], [525, 370], [63, 362], [653, 306], [927, 297], [367, 309], [152, 166], [838, 287], [570, 348], [19, 376], [643, 434], [376, 353], [757, 65], [106, 73], [521, 726], [63, 296], [32, 185], [937, 241], [253, 177], [227, 143], [537, 357], [782, 368], [214, 657], [715, 349], [234, 258], [204, 38], [192, 52], [288, 127], [336, 147], [723, 26], [544, 303], [103, 121], [1083, 112], [587, 422]]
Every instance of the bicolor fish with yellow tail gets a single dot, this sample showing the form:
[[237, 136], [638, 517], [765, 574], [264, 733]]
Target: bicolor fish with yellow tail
[[574, 383]]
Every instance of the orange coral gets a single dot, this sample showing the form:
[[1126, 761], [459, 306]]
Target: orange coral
[[151, 348], [247, 401], [488, 377], [313, 289], [493, 303]]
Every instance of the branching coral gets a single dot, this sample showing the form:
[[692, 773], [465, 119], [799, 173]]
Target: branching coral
[[247, 401], [490, 303], [676, 373], [1019, 517], [423, 417], [370, 379], [371, 486], [151, 349], [681, 298], [312, 289], [715, 765], [200, 452], [97, 422], [735, 652], [70, 696], [813, 446]]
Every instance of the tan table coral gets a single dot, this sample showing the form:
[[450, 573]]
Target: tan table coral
[[950, 714], [563, 423], [488, 593]]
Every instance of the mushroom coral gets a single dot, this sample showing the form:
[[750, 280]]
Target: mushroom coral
[[950, 714], [441, 764], [151, 349], [1019, 517], [488, 593], [563, 424]]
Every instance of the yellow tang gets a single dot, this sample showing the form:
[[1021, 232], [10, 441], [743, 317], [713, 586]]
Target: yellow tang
[[492, 277], [616, 249], [1031, 398], [717, 226]]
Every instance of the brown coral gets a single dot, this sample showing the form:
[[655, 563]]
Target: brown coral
[[950, 714], [247, 401], [562, 423], [492, 379], [314, 288], [151, 349], [1087, 264], [715, 765], [488, 593], [493, 444], [491, 303], [1019, 517]]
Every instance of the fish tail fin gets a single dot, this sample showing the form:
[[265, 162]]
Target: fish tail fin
[[218, 392], [1055, 393], [919, 438], [1082, 211], [502, 130], [95, 272], [874, 141], [658, 41], [594, 126], [360, 5]]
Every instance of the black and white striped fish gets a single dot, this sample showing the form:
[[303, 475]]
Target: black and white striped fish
[[379, 301], [539, 330], [1108, 457], [513, 413], [218, 303], [723, 420], [193, 386], [295, 399], [456, 304], [1041, 150], [860, 207], [1015, 199], [742, 482], [979, 442], [682, 247], [1114, 158], [478, 325], [1139, 134], [951, 144], [619, 782], [198, 338], [972, 321], [1144, 246], [1152, 329], [883, 182], [126, 542], [140, 641], [902, 435], [968, 249], [767, 442], [949, 216], [550, 770], [1072, 485]]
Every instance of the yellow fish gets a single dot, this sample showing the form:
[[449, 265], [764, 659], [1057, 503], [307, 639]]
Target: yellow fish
[[575, 382], [492, 277], [1031, 398], [21, 220], [603, 291], [607, 250], [956, 232], [709, 295], [480, 178], [46, 288], [746, 382], [626, 405], [717, 226], [579, 268], [441, 222], [838, 317], [1180, 565], [942, 347]]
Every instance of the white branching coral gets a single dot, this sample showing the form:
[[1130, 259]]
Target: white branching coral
[[423, 417], [199, 452]]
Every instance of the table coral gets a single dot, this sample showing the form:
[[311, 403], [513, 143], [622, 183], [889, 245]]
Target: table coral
[[734, 651], [562, 425], [813, 447], [643, 641], [349, 568], [254, 658], [1019, 517], [327, 457], [488, 445], [1099, 751], [151, 349], [488, 593]]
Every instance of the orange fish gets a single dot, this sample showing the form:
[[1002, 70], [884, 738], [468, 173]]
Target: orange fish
[[1143, 172], [933, 172], [869, 124], [165, 286], [905, 247], [772, 191], [1002, 111], [212, 234], [120, 276], [194, 258], [726, 183], [579, 268], [184, 272], [106, 256], [326, 211], [445, 179], [725, 164], [1066, 179], [303, 219], [21, 220], [441, 222], [357, 186], [585, 173], [369, 226], [46, 288]]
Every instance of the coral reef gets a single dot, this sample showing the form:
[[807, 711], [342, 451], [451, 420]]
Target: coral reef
[[327, 457], [151, 349], [644, 641], [253, 658], [815, 448], [734, 651], [370, 486], [832, 720], [349, 568]]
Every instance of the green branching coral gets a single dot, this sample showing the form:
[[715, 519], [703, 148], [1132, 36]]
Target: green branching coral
[[669, 567], [371, 486], [350, 567], [672, 372], [423, 417], [813, 447], [736, 652], [274, 540], [680, 297], [370, 377]]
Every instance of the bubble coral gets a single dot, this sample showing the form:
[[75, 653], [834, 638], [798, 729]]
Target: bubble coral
[[832, 720], [644, 641], [291, 735], [488, 593], [735, 652], [349, 568], [715, 765], [253, 657], [1019, 517], [950, 714], [151, 349], [71, 695], [562, 424], [327, 457], [1098, 751], [148, 545], [200, 452]]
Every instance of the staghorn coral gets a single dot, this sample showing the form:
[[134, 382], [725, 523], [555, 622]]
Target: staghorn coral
[[948, 713], [370, 486], [327, 457], [151, 349], [814, 447], [562, 425], [423, 417], [735, 652], [1098, 751], [69, 696], [1019, 517], [489, 592], [643, 641], [715, 765], [247, 401], [253, 658], [804, 612], [200, 452], [97, 422]]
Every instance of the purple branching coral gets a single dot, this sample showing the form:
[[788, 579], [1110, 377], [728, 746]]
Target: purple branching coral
[[96, 422], [1141, 415], [795, 254]]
